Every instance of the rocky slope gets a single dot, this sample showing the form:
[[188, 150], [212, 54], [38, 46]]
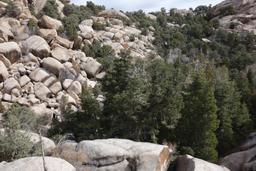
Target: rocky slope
[[41, 70], [240, 15]]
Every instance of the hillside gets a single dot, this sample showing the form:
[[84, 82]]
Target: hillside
[[97, 83]]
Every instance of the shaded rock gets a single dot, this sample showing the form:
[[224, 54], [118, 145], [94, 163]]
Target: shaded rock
[[61, 54], [112, 14], [39, 75], [52, 65], [11, 50], [75, 87], [41, 91], [66, 83], [10, 84], [38, 5], [47, 33], [37, 45], [50, 23], [36, 164], [3, 72], [189, 163], [64, 42], [24, 80], [6, 61], [56, 87], [42, 111], [91, 66], [49, 145], [244, 158]]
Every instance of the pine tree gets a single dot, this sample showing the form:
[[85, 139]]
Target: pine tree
[[228, 102], [199, 121]]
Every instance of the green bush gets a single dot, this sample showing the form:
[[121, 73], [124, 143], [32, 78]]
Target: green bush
[[13, 143], [12, 10], [97, 50], [51, 9], [98, 26]]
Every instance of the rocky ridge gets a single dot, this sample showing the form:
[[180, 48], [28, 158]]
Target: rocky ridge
[[241, 15]]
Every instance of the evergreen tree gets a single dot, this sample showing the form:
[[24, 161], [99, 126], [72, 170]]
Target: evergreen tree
[[83, 124], [166, 99], [228, 101], [199, 121]]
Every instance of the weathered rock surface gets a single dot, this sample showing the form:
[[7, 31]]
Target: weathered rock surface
[[50, 23], [11, 50], [243, 18], [91, 66], [189, 163], [36, 164], [37, 45], [3, 72], [52, 65], [115, 154], [243, 160]]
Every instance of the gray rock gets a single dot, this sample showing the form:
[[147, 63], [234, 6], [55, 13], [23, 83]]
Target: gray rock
[[56, 87], [41, 91], [36, 164], [39, 75], [10, 84], [24, 80], [3, 72], [91, 66], [37, 45], [75, 87], [61, 54], [50, 23], [115, 155], [189, 163], [11, 50], [52, 65]]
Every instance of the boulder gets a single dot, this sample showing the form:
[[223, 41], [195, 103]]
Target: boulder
[[52, 65], [42, 111], [39, 75], [75, 87], [115, 155], [189, 163], [37, 45], [48, 144], [3, 72], [91, 66], [61, 54], [242, 160], [24, 80], [11, 50], [47, 33], [41, 91], [6, 61], [38, 5], [10, 84], [113, 14], [50, 23], [36, 164], [64, 42], [56, 87]]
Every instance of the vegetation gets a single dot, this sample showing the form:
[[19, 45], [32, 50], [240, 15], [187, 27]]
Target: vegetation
[[12, 10], [13, 143], [51, 9]]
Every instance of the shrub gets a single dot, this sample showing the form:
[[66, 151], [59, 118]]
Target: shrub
[[12, 10], [97, 50], [98, 26], [13, 143], [51, 9]]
